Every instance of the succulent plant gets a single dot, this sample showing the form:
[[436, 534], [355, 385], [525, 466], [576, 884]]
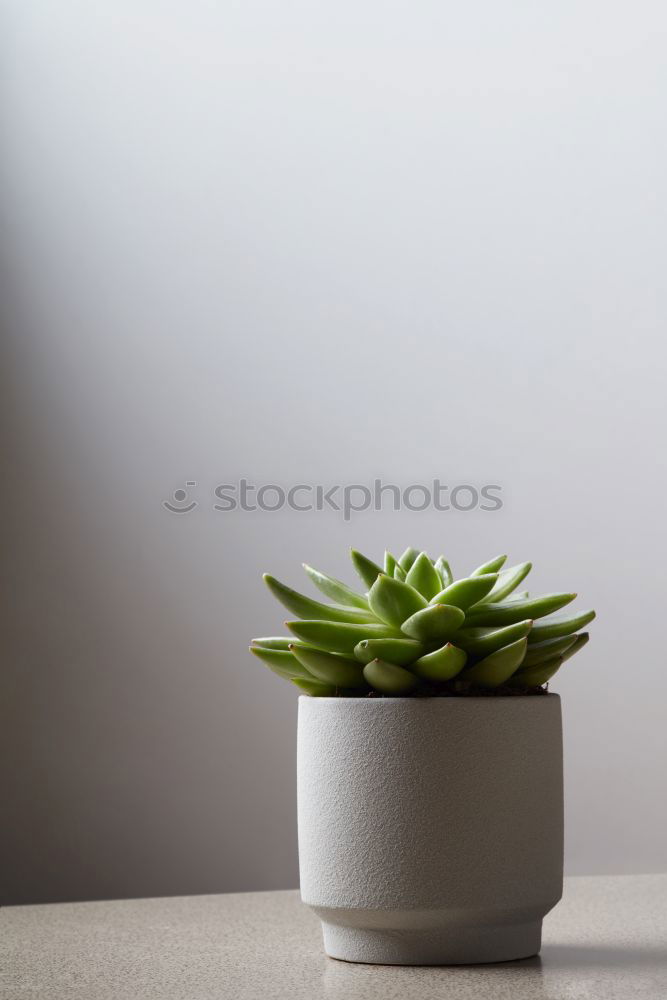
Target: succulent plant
[[419, 631]]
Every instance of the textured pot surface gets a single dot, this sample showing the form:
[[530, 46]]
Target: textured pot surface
[[430, 829]]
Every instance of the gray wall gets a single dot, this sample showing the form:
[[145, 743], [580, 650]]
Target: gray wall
[[321, 243]]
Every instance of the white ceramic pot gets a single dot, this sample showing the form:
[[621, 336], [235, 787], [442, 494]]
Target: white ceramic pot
[[430, 829]]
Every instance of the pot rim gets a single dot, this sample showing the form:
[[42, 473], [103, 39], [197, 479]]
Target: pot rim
[[502, 699]]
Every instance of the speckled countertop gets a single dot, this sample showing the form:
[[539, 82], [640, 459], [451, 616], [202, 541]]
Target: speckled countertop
[[607, 940]]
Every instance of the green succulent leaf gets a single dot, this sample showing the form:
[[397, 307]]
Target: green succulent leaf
[[558, 625], [508, 580], [315, 689], [440, 665], [497, 668], [542, 651], [582, 639], [389, 679], [433, 623], [518, 595], [407, 559], [424, 577], [329, 668], [492, 566], [392, 601], [466, 592], [399, 573], [274, 642], [336, 590], [444, 570], [515, 611], [481, 642], [304, 607], [390, 563], [339, 637], [537, 675], [281, 662], [397, 651], [366, 568]]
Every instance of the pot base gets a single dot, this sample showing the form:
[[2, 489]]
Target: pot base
[[435, 946]]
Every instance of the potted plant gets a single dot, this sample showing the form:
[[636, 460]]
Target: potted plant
[[430, 789]]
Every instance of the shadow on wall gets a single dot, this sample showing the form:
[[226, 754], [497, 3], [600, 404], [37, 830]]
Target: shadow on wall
[[120, 758]]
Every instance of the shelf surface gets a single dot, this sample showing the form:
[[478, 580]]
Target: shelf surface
[[606, 940]]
